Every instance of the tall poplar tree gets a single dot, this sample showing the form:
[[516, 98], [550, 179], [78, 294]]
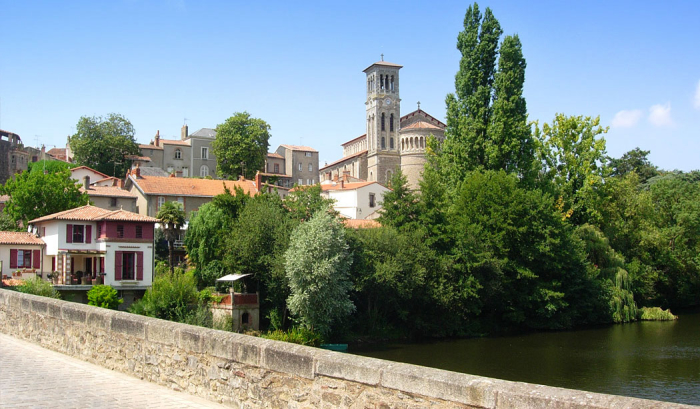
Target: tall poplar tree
[[487, 115]]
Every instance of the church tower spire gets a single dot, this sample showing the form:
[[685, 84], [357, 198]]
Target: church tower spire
[[383, 111]]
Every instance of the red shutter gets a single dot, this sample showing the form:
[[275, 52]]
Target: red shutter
[[69, 233], [53, 263], [13, 258], [118, 265], [139, 265], [36, 260], [88, 234], [102, 264]]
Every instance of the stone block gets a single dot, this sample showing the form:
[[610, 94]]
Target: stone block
[[163, 332], [191, 338], [436, 383], [218, 344], [26, 304], [54, 308], [246, 349], [129, 324], [74, 312], [40, 306], [350, 367], [100, 318], [3, 299], [289, 358]]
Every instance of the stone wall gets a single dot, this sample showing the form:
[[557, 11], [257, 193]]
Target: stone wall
[[243, 371]]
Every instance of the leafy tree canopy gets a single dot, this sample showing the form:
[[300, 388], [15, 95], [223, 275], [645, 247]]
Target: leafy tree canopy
[[303, 201], [634, 161], [241, 145], [35, 194], [172, 218], [102, 144], [49, 166]]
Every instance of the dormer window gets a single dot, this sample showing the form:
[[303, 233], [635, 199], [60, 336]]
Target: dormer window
[[178, 154]]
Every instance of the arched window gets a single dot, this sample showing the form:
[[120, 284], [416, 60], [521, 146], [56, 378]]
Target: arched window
[[391, 143], [381, 80], [391, 122], [388, 176], [422, 142], [410, 140], [178, 154], [383, 127], [403, 145], [392, 82], [204, 171], [383, 142]]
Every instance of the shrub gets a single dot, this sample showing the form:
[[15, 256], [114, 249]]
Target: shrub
[[656, 314], [104, 296], [296, 335], [37, 286]]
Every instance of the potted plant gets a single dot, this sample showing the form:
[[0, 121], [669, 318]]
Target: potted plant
[[99, 278]]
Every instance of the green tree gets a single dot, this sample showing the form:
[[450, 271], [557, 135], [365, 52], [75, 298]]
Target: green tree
[[35, 194], [303, 201], [49, 166], [573, 160], [103, 143], [398, 205], [241, 145], [104, 296], [7, 224], [634, 161], [317, 265], [172, 218], [469, 108]]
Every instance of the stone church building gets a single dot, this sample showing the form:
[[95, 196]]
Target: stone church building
[[391, 141]]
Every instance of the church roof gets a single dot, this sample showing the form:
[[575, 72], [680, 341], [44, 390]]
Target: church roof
[[421, 125], [354, 155], [384, 63], [424, 114], [354, 140]]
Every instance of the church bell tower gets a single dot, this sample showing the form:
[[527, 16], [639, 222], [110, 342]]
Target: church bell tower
[[383, 107]]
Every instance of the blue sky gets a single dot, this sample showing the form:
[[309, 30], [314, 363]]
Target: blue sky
[[298, 66]]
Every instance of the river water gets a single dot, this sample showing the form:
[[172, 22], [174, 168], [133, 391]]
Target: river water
[[652, 360]]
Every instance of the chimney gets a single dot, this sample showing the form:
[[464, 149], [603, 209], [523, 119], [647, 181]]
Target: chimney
[[258, 181], [184, 132], [86, 182], [121, 183], [137, 171], [342, 183], [241, 178], [335, 177], [346, 175], [157, 143]]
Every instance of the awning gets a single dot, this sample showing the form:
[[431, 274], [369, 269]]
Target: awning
[[232, 277]]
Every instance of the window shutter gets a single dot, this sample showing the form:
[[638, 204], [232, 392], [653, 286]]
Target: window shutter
[[36, 259], [118, 265], [53, 263], [69, 233], [139, 265], [88, 234], [102, 264], [13, 258]]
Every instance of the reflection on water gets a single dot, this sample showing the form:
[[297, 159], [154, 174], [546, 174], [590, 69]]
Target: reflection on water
[[653, 360]]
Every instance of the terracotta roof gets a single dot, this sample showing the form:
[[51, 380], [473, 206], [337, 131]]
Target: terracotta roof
[[112, 178], [108, 191], [346, 186], [91, 170], [137, 157], [274, 155], [354, 155], [174, 142], [388, 64], [361, 223], [58, 153], [300, 148], [281, 175], [150, 147], [354, 140], [421, 125], [169, 186], [92, 213], [425, 114], [14, 237]]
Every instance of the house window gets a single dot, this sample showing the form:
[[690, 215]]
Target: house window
[[300, 182], [178, 154], [161, 201], [204, 171], [78, 233], [299, 166], [128, 266], [24, 258], [120, 231], [277, 168], [391, 143], [311, 167], [181, 200], [383, 142], [113, 201], [139, 232], [205, 153], [185, 172], [170, 169], [307, 154], [308, 181], [99, 230], [371, 200]]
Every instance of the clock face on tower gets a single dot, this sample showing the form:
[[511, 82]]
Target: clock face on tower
[[387, 101]]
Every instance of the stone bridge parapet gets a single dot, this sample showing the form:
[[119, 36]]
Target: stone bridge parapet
[[244, 371]]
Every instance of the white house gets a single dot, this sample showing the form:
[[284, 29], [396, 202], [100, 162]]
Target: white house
[[21, 255], [94, 243], [355, 200]]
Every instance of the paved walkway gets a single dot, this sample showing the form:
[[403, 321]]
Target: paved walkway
[[34, 377]]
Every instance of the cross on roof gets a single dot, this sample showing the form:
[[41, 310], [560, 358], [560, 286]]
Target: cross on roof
[[382, 56], [419, 105]]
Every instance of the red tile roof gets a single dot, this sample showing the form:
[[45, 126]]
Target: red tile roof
[[361, 223], [345, 186], [170, 186], [92, 213], [91, 170], [424, 114], [300, 148], [274, 155], [58, 153], [174, 142], [421, 125], [150, 147], [354, 155], [13, 237], [108, 191]]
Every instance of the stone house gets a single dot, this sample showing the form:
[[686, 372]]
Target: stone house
[[291, 165], [190, 156]]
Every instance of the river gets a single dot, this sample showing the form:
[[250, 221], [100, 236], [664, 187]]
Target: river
[[652, 360]]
